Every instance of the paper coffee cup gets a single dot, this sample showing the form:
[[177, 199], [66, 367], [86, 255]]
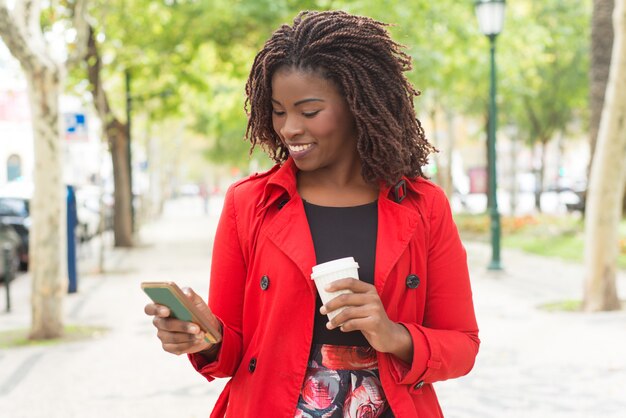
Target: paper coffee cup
[[326, 273]]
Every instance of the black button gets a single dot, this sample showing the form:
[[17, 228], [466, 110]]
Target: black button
[[412, 281], [282, 203], [419, 385], [265, 282], [252, 365]]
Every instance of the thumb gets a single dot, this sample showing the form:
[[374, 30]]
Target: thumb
[[195, 298], [203, 307]]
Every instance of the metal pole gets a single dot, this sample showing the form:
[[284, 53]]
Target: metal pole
[[6, 253], [491, 153], [129, 102]]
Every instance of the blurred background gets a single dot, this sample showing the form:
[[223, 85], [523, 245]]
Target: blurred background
[[121, 119]]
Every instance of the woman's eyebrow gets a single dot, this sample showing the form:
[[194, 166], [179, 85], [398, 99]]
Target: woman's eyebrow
[[299, 102], [311, 99]]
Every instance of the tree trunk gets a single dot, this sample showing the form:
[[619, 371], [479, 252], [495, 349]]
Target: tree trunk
[[606, 184], [447, 176], [48, 236], [115, 132], [601, 49], [122, 221], [20, 30], [436, 157], [540, 174]]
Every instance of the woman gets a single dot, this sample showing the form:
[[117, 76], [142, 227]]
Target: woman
[[330, 104]]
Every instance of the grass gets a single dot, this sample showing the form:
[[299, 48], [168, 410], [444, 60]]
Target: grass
[[563, 306], [547, 235], [72, 333]]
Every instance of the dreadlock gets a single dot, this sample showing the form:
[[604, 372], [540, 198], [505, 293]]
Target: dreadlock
[[367, 66]]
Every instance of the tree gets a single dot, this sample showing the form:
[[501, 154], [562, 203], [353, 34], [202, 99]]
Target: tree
[[21, 31], [116, 133], [607, 181], [601, 49]]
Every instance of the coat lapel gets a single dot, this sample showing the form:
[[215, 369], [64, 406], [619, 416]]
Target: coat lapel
[[396, 225], [289, 230], [291, 234]]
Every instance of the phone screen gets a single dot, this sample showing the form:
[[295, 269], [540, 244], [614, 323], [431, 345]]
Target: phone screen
[[164, 296]]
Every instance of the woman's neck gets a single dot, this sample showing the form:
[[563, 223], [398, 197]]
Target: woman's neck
[[347, 190]]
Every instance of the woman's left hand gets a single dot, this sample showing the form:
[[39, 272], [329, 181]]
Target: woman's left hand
[[364, 311]]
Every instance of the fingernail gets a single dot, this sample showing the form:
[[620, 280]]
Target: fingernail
[[328, 288], [193, 329], [329, 325], [162, 311], [323, 310]]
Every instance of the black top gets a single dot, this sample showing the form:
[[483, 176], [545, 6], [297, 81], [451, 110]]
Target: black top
[[340, 232]]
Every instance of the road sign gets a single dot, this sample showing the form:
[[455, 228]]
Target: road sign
[[75, 127]]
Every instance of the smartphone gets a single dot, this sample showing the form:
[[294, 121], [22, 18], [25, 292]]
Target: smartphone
[[170, 295]]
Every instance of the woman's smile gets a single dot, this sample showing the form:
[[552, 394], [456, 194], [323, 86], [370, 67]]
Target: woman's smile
[[298, 151]]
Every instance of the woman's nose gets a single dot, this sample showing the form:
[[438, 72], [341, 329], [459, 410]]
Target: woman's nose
[[291, 128]]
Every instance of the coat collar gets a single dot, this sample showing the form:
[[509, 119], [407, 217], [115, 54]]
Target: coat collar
[[283, 180], [397, 223]]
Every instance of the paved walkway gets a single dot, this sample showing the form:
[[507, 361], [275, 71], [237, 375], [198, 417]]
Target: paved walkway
[[532, 363]]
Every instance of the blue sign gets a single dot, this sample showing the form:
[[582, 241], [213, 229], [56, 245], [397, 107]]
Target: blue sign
[[75, 126]]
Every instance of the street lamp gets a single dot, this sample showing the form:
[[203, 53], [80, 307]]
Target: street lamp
[[490, 15]]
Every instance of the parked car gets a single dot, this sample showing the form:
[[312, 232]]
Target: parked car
[[11, 240], [15, 211]]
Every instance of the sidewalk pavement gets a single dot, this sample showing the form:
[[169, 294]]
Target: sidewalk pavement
[[532, 363]]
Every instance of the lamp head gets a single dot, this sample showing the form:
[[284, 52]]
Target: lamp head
[[490, 15]]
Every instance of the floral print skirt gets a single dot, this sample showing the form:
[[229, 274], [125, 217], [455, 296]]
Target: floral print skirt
[[341, 382]]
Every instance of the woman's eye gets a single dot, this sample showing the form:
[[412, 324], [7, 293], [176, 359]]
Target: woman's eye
[[310, 114], [278, 112]]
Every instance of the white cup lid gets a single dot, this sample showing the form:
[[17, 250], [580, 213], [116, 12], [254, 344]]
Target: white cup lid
[[334, 265]]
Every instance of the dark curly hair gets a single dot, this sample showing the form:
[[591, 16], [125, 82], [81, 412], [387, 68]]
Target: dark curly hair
[[367, 66]]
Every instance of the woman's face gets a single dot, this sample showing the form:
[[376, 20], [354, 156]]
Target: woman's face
[[313, 120]]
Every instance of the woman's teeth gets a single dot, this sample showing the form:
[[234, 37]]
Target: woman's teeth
[[299, 148]]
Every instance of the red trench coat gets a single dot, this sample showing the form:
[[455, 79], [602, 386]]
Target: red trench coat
[[262, 293]]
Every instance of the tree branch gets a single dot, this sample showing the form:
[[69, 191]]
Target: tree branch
[[27, 13], [94, 68], [82, 24], [15, 36]]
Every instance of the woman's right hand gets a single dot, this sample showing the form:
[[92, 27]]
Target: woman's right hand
[[181, 337]]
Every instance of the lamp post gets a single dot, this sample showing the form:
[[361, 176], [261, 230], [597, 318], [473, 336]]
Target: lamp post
[[490, 15], [129, 157]]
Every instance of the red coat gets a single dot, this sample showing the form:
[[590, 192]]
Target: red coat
[[262, 292]]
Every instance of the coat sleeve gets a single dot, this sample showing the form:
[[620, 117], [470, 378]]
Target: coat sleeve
[[445, 345], [226, 294]]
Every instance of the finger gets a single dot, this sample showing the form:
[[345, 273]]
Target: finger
[[195, 298], [352, 284], [184, 348], [168, 337], [350, 299], [365, 324], [175, 325], [349, 314], [154, 309], [203, 308]]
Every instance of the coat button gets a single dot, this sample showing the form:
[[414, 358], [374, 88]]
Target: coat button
[[412, 281], [419, 385], [252, 365], [265, 282]]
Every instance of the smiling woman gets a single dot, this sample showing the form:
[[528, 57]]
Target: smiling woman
[[315, 124], [329, 102]]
